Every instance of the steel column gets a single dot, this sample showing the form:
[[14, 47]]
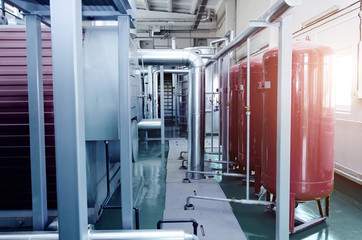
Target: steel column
[[3, 8], [150, 87], [212, 107], [283, 127], [248, 120], [125, 121], [224, 107], [36, 122], [162, 108], [174, 80], [69, 118]]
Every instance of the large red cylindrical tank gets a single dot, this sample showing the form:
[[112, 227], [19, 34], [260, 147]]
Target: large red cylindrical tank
[[256, 116], [233, 113], [312, 121]]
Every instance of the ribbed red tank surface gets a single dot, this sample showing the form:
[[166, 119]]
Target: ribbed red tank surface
[[312, 121], [256, 116], [233, 113], [15, 178]]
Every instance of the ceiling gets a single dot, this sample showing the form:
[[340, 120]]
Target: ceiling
[[157, 15]]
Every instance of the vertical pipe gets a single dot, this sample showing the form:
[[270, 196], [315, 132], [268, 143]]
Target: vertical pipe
[[228, 114], [284, 126], [162, 92], [176, 100], [150, 87], [224, 115], [196, 120], [155, 81], [174, 80], [36, 122], [125, 134], [173, 43], [220, 101], [107, 166], [212, 107], [3, 8], [69, 118], [248, 120]]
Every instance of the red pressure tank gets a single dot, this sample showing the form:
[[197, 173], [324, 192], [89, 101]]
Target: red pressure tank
[[256, 117], [233, 113], [312, 122]]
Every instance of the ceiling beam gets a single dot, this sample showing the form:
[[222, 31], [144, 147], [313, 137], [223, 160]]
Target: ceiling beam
[[193, 6], [169, 5], [147, 4], [200, 13]]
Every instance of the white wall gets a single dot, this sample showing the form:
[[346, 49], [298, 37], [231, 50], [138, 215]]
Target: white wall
[[342, 34]]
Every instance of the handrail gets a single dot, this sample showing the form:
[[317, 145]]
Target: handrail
[[276, 11]]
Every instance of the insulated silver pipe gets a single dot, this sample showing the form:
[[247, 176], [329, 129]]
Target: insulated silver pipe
[[196, 98], [155, 94], [105, 235], [175, 71], [269, 16]]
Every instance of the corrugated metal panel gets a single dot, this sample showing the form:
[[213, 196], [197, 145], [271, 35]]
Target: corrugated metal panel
[[15, 179]]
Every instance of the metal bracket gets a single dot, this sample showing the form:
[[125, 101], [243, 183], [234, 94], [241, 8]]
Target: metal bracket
[[262, 24]]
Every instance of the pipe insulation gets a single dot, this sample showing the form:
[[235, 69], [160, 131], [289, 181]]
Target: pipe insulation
[[271, 15], [196, 99], [105, 235]]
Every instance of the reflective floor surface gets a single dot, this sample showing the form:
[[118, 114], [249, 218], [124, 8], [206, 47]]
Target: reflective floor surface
[[149, 184], [149, 171]]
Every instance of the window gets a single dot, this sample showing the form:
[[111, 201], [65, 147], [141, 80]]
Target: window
[[344, 75]]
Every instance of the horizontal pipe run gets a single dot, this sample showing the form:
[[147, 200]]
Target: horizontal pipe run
[[174, 71], [232, 200], [216, 161], [276, 11], [216, 174], [105, 235], [149, 124]]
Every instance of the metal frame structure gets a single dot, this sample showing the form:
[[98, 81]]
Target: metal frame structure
[[36, 122], [125, 121], [104, 234], [69, 107], [196, 101], [69, 127], [277, 12]]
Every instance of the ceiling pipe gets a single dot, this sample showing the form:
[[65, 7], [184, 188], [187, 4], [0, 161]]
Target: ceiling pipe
[[196, 99], [269, 16], [105, 235], [200, 13]]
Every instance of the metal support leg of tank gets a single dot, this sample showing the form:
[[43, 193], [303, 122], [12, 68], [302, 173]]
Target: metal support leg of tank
[[257, 179], [320, 207], [291, 212], [267, 195], [327, 206]]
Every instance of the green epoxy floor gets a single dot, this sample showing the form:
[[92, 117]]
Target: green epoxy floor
[[149, 177], [345, 220], [149, 187]]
